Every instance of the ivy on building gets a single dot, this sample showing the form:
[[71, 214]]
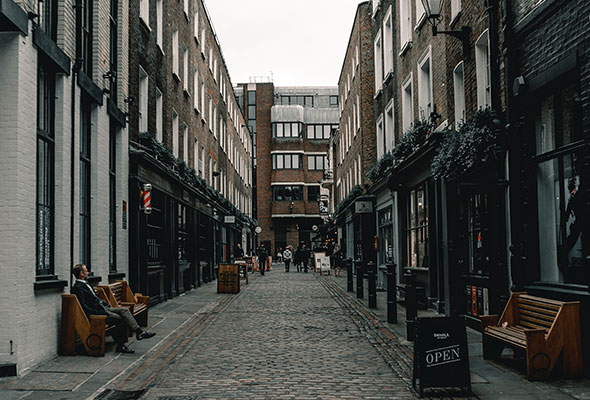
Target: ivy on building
[[412, 140], [355, 192], [469, 146], [189, 176]]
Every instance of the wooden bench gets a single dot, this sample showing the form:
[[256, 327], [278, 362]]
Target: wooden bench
[[544, 329], [92, 331], [118, 294]]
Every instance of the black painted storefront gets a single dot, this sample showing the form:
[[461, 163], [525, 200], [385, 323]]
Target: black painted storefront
[[172, 249]]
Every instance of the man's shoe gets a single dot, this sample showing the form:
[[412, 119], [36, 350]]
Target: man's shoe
[[145, 335], [124, 349]]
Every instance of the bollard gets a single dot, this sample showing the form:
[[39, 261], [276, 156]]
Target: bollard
[[372, 276], [349, 277], [360, 290], [391, 294], [411, 305]]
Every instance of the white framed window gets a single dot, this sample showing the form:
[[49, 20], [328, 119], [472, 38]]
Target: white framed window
[[185, 68], [455, 8], [389, 127], [211, 58], [202, 86], [196, 155], [175, 51], [405, 24], [377, 59], [159, 116], [380, 136], [210, 170], [358, 112], [185, 9], [210, 120], [202, 162], [185, 142], [425, 85], [459, 93], [214, 120], [143, 100], [215, 69], [387, 44], [203, 42], [144, 11], [407, 104], [354, 118], [359, 169], [196, 90], [160, 25], [482, 71], [420, 13], [196, 22], [175, 149]]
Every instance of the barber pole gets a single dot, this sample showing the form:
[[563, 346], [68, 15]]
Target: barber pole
[[147, 198]]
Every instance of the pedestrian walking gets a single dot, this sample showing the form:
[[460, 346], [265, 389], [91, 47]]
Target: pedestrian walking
[[338, 259], [262, 258], [304, 256], [297, 258], [287, 257], [280, 254]]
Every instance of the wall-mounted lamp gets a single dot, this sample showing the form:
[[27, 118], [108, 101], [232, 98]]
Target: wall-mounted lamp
[[433, 10]]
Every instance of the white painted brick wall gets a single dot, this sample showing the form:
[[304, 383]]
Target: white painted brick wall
[[31, 319]]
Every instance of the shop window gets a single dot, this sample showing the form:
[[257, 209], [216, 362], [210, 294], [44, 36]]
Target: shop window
[[417, 232], [478, 227], [385, 221], [563, 246]]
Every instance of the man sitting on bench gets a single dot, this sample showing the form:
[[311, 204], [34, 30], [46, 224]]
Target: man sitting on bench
[[118, 316]]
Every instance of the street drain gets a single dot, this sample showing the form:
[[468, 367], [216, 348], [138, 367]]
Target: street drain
[[112, 394]]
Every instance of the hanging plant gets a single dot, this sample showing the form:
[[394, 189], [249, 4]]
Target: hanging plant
[[461, 150], [380, 168], [355, 192]]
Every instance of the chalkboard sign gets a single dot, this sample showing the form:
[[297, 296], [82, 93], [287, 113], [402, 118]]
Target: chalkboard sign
[[229, 278], [441, 357]]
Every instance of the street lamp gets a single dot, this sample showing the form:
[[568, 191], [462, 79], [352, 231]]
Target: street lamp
[[433, 9]]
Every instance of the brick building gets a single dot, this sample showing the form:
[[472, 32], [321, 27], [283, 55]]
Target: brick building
[[189, 141], [292, 127], [426, 88], [355, 146], [63, 151], [547, 86]]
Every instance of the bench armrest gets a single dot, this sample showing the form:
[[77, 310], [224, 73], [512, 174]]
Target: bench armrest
[[488, 320], [142, 299], [127, 304]]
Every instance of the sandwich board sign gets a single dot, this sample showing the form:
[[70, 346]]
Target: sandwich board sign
[[441, 357]]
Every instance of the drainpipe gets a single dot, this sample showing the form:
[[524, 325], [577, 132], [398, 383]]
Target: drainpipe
[[75, 69]]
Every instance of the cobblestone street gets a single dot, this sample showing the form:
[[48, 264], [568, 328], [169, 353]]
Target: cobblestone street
[[284, 336]]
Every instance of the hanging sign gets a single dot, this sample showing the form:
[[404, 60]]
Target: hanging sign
[[230, 219], [441, 357]]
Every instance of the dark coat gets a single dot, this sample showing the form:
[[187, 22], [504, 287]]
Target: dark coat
[[91, 304]]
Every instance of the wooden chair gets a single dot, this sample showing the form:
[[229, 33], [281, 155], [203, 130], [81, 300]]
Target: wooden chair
[[544, 329]]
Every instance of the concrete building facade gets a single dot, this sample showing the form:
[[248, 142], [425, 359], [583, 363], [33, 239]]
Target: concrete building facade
[[292, 127]]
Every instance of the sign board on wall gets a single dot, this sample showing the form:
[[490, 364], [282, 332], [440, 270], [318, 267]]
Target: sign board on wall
[[229, 219], [441, 357], [363, 207]]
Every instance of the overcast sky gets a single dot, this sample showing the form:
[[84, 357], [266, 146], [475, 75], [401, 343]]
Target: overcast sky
[[299, 42]]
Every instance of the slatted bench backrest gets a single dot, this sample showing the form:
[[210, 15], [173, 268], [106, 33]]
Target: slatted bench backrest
[[117, 290], [536, 312]]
